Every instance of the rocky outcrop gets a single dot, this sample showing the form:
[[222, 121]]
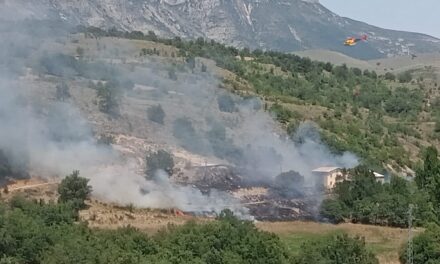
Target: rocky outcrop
[[286, 25]]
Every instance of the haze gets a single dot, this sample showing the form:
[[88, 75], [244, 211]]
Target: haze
[[408, 15]]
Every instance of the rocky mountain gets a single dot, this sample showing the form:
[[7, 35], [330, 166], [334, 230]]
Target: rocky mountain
[[286, 25]]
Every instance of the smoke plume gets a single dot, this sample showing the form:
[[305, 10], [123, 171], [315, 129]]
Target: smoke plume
[[49, 137]]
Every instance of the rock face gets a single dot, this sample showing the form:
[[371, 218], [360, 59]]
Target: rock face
[[286, 25]]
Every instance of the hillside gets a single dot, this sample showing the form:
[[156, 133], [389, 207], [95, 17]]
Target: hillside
[[384, 242], [285, 25], [336, 58]]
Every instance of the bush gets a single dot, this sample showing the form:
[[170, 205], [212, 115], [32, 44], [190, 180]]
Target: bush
[[74, 189], [108, 97], [336, 249], [172, 75], [290, 184], [425, 247], [226, 103], [282, 114], [184, 131], [62, 91], [160, 160], [333, 211], [227, 240], [405, 77], [389, 76], [156, 114], [106, 139]]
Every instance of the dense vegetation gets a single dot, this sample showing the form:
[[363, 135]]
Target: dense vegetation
[[74, 189], [365, 112], [159, 160], [425, 247], [362, 199], [333, 250], [35, 232], [156, 114]]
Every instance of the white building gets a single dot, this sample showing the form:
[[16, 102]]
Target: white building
[[379, 177], [329, 176]]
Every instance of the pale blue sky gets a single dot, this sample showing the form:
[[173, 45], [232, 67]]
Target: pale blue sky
[[410, 15]]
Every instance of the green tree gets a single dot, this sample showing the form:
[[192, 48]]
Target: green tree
[[405, 77], [204, 68], [389, 76], [290, 184], [160, 160], [226, 103], [74, 189], [335, 249], [427, 175], [108, 97], [172, 74], [156, 114], [282, 114], [228, 240], [62, 91], [80, 51], [437, 126], [426, 247], [333, 210]]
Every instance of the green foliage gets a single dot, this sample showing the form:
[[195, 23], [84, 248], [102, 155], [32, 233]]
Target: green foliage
[[404, 101], [289, 184], [27, 237], [334, 210], [426, 247], [222, 146], [74, 189], [160, 160], [303, 81], [156, 114], [282, 114], [335, 249], [106, 139], [389, 76], [364, 200], [405, 77], [227, 240], [62, 91], [226, 103], [172, 74], [80, 51], [188, 138], [203, 68], [428, 177], [108, 97], [437, 126]]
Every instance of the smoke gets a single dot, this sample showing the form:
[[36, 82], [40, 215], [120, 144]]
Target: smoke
[[47, 137], [159, 192]]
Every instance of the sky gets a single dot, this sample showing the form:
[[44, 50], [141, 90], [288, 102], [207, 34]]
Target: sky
[[421, 16]]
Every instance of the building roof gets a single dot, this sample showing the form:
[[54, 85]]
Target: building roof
[[378, 175], [326, 169]]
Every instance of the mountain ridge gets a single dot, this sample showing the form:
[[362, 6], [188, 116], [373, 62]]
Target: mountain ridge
[[284, 25]]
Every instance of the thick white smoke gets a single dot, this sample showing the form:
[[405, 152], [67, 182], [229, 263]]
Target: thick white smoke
[[51, 138]]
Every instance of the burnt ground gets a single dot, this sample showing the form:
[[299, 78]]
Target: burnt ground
[[264, 200]]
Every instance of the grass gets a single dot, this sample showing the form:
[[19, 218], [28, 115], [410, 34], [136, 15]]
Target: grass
[[384, 242]]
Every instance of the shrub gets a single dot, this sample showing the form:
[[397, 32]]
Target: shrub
[[160, 160], [405, 77], [62, 91], [389, 76], [74, 189], [226, 103], [156, 114], [425, 247], [336, 249]]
